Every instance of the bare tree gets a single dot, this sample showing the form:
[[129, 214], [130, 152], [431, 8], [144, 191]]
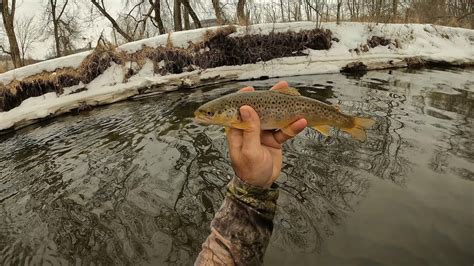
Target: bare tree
[[318, 7], [394, 9], [282, 11], [187, 26], [135, 21], [177, 15], [55, 19], [156, 19], [339, 5], [63, 24], [28, 32], [241, 16], [191, 12], [218, 11], [8, 15], [99, 4]]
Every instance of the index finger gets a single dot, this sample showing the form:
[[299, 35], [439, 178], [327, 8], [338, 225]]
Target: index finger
[[279, 85], [246, 89], [290, 131]]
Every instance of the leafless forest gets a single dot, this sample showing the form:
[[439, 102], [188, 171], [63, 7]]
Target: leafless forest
[[66, 22]]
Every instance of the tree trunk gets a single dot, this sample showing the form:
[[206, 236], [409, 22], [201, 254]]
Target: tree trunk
[[339, 4], [282, 12], [378, 10], [177, 15], [186, 18], [112, 20], [394, 9], [157, 9], [55, 28], [289, 11], [327, 13], [217, 9], [242, 19], [299, 10], [197, 23], [115, 36], [8, 17]]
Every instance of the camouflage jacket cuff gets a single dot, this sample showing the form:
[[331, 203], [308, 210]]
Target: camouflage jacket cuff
[[262, 200]]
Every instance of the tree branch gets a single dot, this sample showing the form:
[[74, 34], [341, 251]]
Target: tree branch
[[62, 10], [13, 8], [5, 51], [112, 20]]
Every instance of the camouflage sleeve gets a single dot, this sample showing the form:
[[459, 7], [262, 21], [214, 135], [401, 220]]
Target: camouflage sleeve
[[242, 227]]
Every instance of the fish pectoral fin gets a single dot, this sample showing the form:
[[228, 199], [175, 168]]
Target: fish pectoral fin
[[288, 131], [226, 129], [360, 123], [356, 132], [288, 91], [323, 129], [240, 125]]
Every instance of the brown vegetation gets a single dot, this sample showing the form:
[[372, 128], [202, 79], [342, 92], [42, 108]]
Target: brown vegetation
[[354, 67], [249, 49], [93, 65], [378, 41], [415, 62]]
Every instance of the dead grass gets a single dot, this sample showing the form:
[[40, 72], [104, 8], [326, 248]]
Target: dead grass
[[378, 41], [12, 94], [98, 61]]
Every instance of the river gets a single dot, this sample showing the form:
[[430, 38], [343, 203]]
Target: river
[[138, 182]]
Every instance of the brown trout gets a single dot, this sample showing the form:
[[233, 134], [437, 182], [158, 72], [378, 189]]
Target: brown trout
[[277, 109]]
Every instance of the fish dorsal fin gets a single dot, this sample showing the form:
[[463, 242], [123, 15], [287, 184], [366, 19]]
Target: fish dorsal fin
[[287, 90]]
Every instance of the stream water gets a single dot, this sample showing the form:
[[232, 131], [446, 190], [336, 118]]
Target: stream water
[[138, 182]]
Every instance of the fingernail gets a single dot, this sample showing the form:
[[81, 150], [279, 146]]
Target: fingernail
[[244, 113]]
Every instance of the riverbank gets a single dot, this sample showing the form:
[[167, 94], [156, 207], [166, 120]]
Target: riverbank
[[221, 54]]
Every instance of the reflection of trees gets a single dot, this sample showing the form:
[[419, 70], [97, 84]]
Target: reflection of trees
[[324, 178], [87, 186], [460, 140], [114, 211], [461, 103]]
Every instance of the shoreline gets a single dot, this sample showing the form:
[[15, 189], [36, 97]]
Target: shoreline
[[133, 70]]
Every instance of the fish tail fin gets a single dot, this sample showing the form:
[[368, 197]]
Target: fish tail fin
[[363, 122], [357, 131]]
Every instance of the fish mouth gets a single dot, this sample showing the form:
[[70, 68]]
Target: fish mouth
[[202, 119]]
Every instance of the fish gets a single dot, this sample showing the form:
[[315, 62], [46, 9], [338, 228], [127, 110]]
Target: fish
[[277, 109]]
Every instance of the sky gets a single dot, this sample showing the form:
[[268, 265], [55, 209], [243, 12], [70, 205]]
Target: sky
[[41, 49]]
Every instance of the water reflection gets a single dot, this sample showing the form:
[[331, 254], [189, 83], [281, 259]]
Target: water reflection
[[138, 182], [459, 140]]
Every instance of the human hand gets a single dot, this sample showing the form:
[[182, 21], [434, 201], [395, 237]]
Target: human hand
[[256, 154]]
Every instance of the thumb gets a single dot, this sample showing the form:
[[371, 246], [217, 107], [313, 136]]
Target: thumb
[[251, 134]]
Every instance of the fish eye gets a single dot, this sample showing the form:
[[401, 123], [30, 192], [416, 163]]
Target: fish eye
[[209, 113]]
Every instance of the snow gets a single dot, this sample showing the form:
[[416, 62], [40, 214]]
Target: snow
[[73, 60], [178, 39], [434, 43], [145, 72], [51, 104], [113, 75]]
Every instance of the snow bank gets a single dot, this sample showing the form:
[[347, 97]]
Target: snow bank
[[73, 60], [428, 42]]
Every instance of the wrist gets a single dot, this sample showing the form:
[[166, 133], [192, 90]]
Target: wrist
[[254, 177], [263, 200], [264, 183]]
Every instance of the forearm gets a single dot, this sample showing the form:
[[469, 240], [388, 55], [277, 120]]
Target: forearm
[[241, 228]]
